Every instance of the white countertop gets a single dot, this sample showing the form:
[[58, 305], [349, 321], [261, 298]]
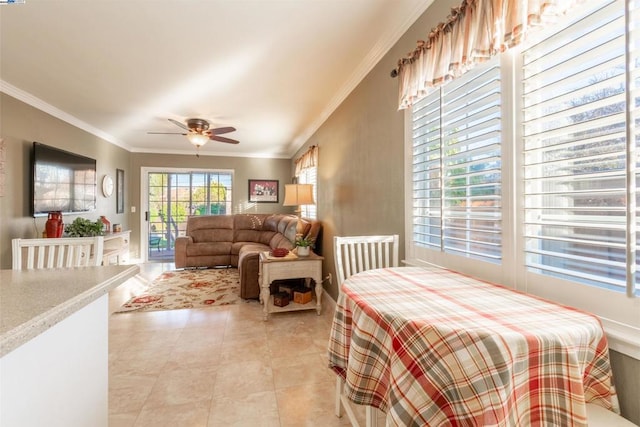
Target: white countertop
[[32, 301]]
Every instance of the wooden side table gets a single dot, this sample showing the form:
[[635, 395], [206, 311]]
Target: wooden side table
[[291, 266]]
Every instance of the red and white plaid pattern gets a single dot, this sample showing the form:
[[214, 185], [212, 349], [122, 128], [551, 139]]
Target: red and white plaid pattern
[[437, 348]]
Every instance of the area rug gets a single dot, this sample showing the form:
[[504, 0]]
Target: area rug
[[180, 289]]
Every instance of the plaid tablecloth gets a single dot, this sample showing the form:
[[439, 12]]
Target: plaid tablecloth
[[437, 348]]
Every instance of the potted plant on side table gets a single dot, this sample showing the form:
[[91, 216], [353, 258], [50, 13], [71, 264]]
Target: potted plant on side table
[[303, 245]]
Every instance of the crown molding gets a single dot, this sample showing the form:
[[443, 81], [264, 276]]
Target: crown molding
[[38, 103], [211, 153]]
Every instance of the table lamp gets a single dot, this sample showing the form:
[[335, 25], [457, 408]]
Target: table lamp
[[297, 195]]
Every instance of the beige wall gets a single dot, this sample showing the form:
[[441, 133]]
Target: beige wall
[[20, 125]]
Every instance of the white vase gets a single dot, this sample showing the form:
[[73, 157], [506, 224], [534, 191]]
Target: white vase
[[303, 250]]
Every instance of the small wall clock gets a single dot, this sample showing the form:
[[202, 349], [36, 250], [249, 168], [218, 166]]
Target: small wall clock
[[107, 186]]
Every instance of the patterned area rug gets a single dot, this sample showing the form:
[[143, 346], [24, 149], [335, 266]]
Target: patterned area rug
[[188, 289]]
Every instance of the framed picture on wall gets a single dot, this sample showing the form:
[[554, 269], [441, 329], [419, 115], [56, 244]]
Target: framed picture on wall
[[119, 191], [263, 190]]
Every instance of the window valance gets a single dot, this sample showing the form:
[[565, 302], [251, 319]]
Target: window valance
[[308, 160], [472, 33]]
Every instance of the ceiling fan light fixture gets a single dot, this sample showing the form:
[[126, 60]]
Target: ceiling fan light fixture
[[197, 139], [198, 133]]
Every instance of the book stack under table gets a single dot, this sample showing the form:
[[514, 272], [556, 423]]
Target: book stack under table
[[286, 293]]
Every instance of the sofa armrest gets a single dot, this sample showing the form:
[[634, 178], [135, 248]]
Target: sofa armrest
[[181, 250]]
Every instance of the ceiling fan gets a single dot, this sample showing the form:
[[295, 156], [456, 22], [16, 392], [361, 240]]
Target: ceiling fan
[[198, 132]]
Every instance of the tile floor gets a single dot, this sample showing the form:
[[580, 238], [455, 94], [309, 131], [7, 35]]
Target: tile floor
[[218, 366]]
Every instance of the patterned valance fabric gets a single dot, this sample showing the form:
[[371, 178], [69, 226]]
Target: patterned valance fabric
[[473, 33], [308, 160]]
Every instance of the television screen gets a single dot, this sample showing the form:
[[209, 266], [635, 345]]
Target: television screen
[[62, 181]]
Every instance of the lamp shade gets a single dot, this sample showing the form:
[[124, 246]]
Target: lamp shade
[[298, 194], [197, 139]]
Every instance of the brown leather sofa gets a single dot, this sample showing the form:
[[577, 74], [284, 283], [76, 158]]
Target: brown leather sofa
[[237, 240]]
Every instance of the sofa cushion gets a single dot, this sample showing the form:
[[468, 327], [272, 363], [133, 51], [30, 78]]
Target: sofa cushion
[[197, 222], [237, 247], [291, 230], [250, 228], [249, 221], [271, 223], [206, 260], [280, 241], [212, 235], [247, 235], [252, 248], [248, 268], [283, 224], [304, 226], [210, 228], [209, 248]]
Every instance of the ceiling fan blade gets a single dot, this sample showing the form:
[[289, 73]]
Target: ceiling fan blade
[[165, 133], [177, 123], [220, 131], [223, 139]]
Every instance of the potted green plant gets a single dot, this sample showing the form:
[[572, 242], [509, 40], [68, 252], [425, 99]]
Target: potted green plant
[[304, 244], [82, 227]]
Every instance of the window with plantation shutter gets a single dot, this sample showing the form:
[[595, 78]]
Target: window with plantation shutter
[[577, 143], [310, 176], [457, 167], [526, 172]]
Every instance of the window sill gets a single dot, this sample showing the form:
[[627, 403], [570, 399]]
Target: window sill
[[622, 338]]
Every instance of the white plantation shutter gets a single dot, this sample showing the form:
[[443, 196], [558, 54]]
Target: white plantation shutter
[[577, 143], [457, 168], [310, 176], [633, 116], [427, 174]]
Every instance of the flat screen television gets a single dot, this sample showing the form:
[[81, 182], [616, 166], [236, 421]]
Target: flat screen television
[[62, 181]]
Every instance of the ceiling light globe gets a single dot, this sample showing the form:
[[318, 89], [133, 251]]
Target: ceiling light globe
[[198, 139]]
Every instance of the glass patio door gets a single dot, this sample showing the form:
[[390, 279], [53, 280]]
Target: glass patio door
[[173, 196]]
